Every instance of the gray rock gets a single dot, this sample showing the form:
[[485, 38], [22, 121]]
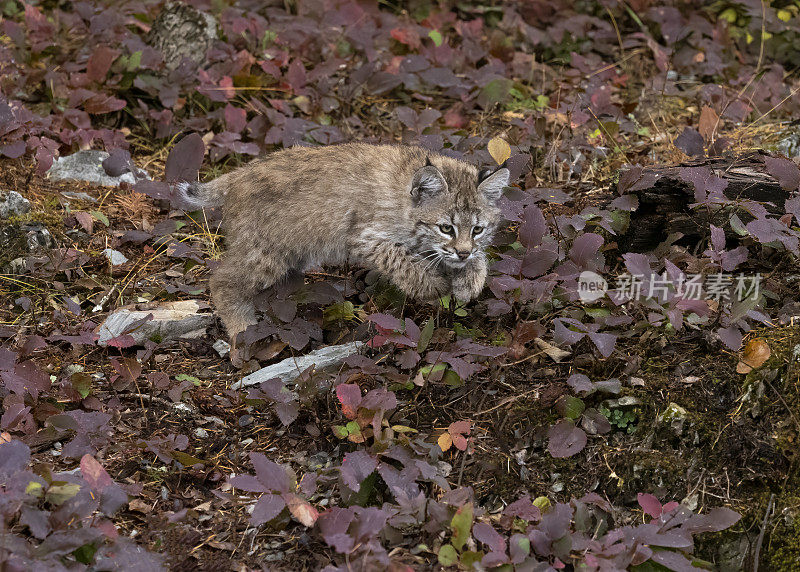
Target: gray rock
[[181, 31], [288, 369], [170, 321], [222, 347], [115, 256], [13, 204], [789, 145], [87, 165]]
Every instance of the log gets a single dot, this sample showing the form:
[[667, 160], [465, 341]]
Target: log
[[664, 199]]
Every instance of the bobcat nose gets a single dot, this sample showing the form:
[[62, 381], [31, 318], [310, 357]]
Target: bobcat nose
[[463, 254]]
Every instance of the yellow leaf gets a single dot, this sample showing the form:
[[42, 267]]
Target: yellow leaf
[[445, 441], [755, 354], [499, 150], [784, 15]]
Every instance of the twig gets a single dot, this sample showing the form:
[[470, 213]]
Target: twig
[[760, 540]]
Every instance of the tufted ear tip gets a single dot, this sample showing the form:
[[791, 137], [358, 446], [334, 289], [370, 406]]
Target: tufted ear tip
[[427, 182], [492, 184]]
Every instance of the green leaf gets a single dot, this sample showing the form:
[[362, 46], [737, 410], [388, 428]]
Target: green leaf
[[429, 369], [34, 489], [186, 377], [470, 558], [59, 494], [452, 379], [461, 312], [425, 336], [436, 36], [738, 226], [494, 92], [543, 503], [353, 428], [82, 383], [365, 490], [445, 301], [570, 407], [185, 459], [598, 312], [134, 61], [340, 431], [85, 554], [462, 525], [339, 312], [448, 556], [524, 544], [101, 217]]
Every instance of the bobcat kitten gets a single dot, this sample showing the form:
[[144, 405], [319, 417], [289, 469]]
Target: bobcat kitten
[[421, 219]]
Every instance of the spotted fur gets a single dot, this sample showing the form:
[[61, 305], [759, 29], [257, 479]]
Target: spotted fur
[[422, 219]]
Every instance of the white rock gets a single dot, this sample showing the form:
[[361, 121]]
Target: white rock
[[171, 320], [87, 165], [290, 368], [14, 204], [115, 256], [222, 347]]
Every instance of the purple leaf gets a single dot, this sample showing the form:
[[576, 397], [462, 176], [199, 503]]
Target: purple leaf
[[185, 159], [580, 383], [605, 342], [731, 337], [14, 457], [385, 321], [717, 238], [784, 171], [248, 483], [585, 248], [524, 509], [117, 163], [533, 227], [335, 521], [357, 466], [287, 412], [594, 422], [379, 398], [486, 533], [268, 507], [565, 439], [690, 142], [564, 335], [538, 261], [271, 474]]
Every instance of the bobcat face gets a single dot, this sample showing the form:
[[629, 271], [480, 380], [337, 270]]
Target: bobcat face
[[455, 215]]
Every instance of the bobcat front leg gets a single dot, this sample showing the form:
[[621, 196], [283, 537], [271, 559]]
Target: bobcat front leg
[[468, 282], [406, 272]]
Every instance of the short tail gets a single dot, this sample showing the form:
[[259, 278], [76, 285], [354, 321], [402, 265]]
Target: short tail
[[198, 195]]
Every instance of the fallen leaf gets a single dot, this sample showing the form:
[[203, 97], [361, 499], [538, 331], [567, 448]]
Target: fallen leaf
[[140, 506], [708, 123], [445, 441], [755, 354], [556, 354], [499, 150]]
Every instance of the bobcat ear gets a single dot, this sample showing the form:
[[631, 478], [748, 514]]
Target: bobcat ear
[[427, 182], [492, 185]]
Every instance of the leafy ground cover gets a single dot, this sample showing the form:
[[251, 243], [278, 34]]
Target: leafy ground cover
[[530, 430]]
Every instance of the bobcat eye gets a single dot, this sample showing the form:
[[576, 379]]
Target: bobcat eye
[[476, 230], [446, 228]]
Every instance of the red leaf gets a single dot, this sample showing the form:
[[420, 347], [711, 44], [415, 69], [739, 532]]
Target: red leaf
[[95, 474], [85, 220], [100, 62], [349, 396], [649, 504]]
